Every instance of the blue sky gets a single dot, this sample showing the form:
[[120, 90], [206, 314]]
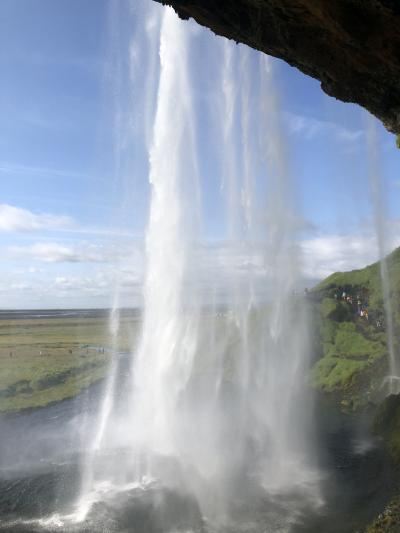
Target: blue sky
[[73, 172]]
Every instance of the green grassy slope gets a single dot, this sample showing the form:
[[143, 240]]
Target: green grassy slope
[[352, 351]]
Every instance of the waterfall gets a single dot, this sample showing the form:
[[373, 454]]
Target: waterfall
[[164, 360], [378, 204], [218, 404]]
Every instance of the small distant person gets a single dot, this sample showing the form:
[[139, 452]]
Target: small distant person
[[11, 354], [343, 295]]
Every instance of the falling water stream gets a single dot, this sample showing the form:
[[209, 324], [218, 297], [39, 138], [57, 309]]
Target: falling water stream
[[392, 381], [218, 406]]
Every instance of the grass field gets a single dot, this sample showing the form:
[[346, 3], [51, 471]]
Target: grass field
[[51, 359]]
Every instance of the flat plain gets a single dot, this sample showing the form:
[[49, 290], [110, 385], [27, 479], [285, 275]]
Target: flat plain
[[45, 360]]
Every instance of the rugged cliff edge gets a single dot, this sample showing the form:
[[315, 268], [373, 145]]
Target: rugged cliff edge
[[351, 46]]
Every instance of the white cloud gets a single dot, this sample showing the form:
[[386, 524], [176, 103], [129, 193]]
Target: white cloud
[[22, 220], [17, 219], [95, 285], [88, 286], [324, 255], [32, 170], [52, 252], [20, 286], [101, 271], [311, 128]]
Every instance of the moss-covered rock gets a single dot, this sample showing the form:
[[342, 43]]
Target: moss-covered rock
[[387, 424], [334, 310], [388, 521], [351, 358]]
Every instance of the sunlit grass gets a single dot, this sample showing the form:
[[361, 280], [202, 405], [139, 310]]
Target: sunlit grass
[[47, 360], [353, 353]]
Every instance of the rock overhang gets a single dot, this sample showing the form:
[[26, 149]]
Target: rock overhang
[[351, 46]]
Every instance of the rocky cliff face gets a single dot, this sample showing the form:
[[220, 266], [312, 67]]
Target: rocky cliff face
[[351, 46]]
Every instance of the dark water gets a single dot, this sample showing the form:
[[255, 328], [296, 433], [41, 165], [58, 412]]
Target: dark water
[[40, 464]]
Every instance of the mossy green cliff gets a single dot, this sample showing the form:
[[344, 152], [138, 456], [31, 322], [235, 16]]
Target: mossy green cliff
[[351, 348], [351, 357]]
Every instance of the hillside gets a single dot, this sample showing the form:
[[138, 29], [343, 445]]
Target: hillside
[[351, 333]]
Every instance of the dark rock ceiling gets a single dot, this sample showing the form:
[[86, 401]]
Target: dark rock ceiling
[[351, 46]]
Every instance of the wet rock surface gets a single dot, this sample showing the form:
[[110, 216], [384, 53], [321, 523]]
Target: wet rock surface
[[351, 46]]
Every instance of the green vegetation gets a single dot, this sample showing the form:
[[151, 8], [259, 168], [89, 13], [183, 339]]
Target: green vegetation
[[48, 360], [347, 356], [334, 310], [352, 359], [388, 521], [369, 279], [352, 351], [398, 141], [387, 424]]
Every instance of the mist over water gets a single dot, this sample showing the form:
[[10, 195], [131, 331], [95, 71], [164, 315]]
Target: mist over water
[[215, 404]]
